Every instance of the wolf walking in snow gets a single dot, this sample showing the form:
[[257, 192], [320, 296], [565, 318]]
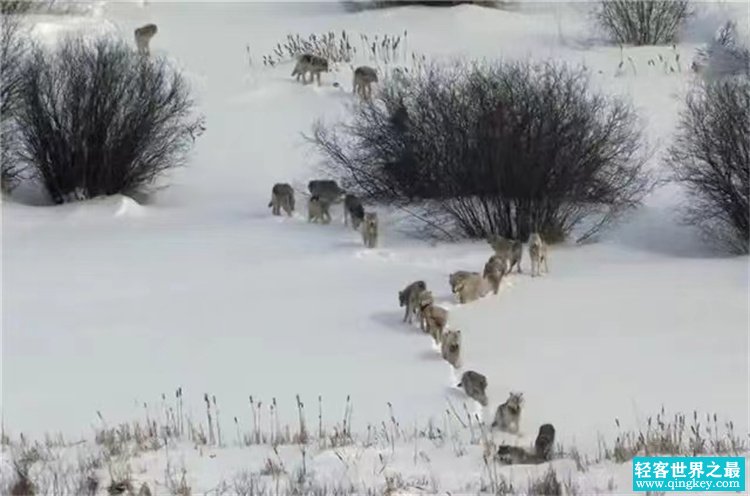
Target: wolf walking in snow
[[282, 197], [475, 386], [318, 210], [353, 210], [509, 251], [508, 415], [409, 298], [432, 319], [313, 64], [471, 287], [370, 229], [143, 37], [455, 278], [327, 189], [494, 270], [537, 254], [450, 347], [364, 76], [545, 440]]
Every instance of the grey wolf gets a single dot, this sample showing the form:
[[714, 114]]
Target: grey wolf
[[545, 441], [409, 298], [432, 319], [318, 210], [512, 455], [282, 197], [508, 415], [508, 250], [364, 76], [475, 386], [326, 189], [471, 287], [537, 254], [313, 64], [370, 229], [450, 348], [494, 270], [143, 36], [353, 210], [456, 277]]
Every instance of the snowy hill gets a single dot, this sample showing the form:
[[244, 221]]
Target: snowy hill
[[110, 304]]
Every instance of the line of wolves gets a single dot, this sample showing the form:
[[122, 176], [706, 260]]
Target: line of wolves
[[364, 75], [323, 194], [468, 286]]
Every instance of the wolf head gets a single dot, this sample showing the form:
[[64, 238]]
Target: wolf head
[[515, 400]]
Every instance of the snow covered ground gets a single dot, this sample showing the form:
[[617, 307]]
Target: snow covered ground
[[109, 304]]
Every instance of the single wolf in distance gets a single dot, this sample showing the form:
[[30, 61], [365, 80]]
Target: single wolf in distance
[[318, 210], [450, 348], [313, 64], [475, 386], [494, 270], [327, 189], [509, 251], [370, 229], [353, 210], [282, 197], [143, 37], [508, 415], [364, 76], [432, 319], [409, 298], [537, 254]]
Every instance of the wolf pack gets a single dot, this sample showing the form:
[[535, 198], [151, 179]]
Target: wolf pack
[[419, 303], [467, 286]]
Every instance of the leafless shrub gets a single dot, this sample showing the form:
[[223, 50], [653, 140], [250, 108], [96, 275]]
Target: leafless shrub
[[13, 48], [500, 149], [643, 22], [138, 122], [546, 485], [711, 157], [724, 56]]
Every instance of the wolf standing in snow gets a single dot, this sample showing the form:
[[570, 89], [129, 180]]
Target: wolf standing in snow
[[313, 64], [471, 288], [494, 270], [537, 254], [509, 251], [143, 37], [475, 386], [409, 298], [370, 229], [318, 210], [353, 210], [451, 348], [327, 189], [508, 415], [282, 197], [364, 76], [432, 319]]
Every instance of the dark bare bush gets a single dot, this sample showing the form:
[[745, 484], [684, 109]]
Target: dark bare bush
[[643, 22], [724, 57], [13, 47], [501, 149], [95, 118], [711, 157]]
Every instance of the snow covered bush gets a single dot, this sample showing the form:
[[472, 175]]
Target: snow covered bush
[[95, 118], [711, 156], [492, 149], [642, 22], [725, 56], [13, 47]]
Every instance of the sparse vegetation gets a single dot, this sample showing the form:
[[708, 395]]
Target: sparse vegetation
[[724, 57], [643, 22], [500, 149], [13, 48], [711, 157], [139, 121]]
